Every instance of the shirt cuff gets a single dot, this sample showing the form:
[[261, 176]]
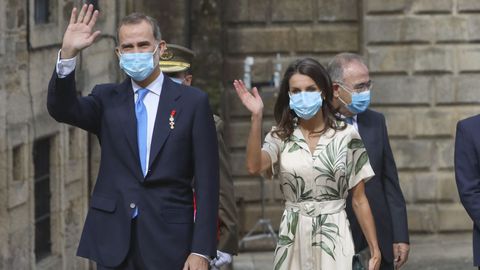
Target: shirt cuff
[[65, 66], [203, 256]]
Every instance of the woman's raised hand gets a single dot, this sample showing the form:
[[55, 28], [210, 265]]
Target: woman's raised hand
[[251, 100], [79, 34]]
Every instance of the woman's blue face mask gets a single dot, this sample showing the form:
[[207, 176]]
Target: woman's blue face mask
[[306, 103]]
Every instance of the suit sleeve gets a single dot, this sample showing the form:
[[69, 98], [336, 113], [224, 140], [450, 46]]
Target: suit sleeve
[[65, 106], [205, 159], [227, 210], [467, 173], [393, 192]]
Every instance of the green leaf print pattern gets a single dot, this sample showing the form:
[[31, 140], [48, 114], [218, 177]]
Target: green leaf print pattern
[[294, 148], [327, 231], [296, 143], [329, 194], [282, 259], [355, 145], [333, 161], [297, 187], [361, 161], [285, 240]]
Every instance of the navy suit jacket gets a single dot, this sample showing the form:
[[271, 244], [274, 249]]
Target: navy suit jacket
[[166, 230], [383, 190], [467, 174]]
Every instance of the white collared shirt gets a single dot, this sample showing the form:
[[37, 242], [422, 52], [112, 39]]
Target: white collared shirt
[[66, 66], [354, 119], [355, 122]]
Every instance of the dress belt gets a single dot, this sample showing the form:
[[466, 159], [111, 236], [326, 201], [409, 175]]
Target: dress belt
[[315, 209]]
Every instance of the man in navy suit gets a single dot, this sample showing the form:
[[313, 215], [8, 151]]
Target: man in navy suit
[[352, 85], [467, 174], [155, 136]]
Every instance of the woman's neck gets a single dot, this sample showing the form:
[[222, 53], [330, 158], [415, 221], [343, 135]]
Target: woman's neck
[[314, 124]]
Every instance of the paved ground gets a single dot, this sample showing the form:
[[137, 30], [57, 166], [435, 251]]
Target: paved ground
[[428, 252]]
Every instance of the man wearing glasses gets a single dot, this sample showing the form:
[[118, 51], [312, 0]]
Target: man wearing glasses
[[352, 85]]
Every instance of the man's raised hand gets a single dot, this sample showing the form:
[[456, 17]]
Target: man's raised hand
[[79, 34]]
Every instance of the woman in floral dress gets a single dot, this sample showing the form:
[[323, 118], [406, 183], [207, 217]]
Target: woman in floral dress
[[319, 159]]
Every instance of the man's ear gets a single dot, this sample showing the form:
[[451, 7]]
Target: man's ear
[[336, 89], [162, 46], [117, 51], [188, 79]]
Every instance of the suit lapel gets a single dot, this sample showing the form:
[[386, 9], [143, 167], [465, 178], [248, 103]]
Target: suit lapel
[[365, 129], [126, 113], [370, 139], [170, 93]]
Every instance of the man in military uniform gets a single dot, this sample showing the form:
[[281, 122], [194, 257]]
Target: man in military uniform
[[176, 63]]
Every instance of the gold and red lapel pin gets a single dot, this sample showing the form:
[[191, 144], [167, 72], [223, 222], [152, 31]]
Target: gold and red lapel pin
[[172, 119]]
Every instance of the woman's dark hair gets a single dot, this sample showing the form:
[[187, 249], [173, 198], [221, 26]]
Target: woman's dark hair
[[284, 116]]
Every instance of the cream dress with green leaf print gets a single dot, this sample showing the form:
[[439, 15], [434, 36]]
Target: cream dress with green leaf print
[[314, 231]]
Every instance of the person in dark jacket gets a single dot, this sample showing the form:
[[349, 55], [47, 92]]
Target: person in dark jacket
[[351, 86]]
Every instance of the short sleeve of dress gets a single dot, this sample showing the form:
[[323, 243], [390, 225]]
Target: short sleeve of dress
[[272, 146], [358, 164]]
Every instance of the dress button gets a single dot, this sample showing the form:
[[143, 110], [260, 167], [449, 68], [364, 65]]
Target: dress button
[[132, 205]]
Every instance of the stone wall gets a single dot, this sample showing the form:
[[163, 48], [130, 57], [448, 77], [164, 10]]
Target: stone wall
[[424, 59], [28, 52]]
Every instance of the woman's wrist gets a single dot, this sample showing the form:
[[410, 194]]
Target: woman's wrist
[[375, 252], [257, 116]]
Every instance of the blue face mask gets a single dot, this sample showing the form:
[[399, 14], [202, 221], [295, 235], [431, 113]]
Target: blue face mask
[[138, 65], [306, 104], [360, 101]]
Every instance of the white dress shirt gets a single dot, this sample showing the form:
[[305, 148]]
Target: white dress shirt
[[354, 122]]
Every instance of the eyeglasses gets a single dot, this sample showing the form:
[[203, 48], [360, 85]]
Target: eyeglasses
[[359, 87]]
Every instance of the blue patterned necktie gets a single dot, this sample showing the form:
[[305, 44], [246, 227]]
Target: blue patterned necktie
[[142, 120]]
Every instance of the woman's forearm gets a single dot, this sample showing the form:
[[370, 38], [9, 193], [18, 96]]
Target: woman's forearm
[[365, 219], [254, 150], [362, 211]]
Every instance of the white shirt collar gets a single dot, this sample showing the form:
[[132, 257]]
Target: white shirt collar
[[154, 87], [341, 116]]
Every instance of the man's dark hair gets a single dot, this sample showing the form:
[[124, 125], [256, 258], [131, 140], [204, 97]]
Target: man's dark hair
[[136, 18]]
